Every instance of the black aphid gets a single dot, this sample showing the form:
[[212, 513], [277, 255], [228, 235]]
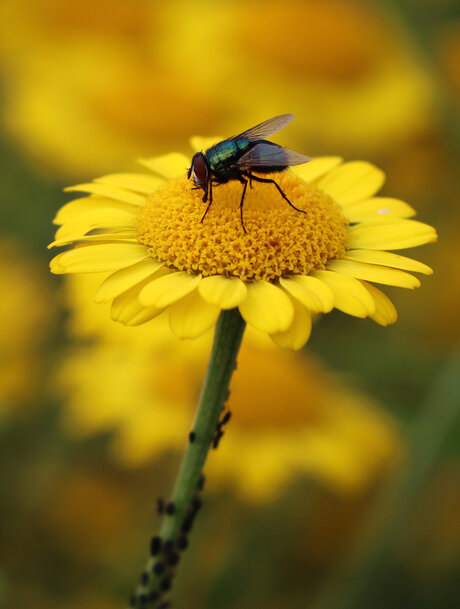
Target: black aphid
[[226, 418], [144, 578], [196, 504], [166, 584], [158, 568], [172, 559], [187, 523], [201, 482], [217, 438], [155, 545]]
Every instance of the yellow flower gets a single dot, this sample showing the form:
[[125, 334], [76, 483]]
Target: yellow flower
[[126, 383], [145, 231]]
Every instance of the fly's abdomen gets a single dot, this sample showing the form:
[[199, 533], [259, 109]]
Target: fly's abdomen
[[221, 156]]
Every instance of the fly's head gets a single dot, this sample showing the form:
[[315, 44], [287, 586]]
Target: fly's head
[[199, 171]]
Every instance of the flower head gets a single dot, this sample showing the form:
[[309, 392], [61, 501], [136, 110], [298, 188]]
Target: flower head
[[145, 231]]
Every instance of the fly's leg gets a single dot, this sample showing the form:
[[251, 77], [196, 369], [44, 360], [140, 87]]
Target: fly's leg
[[205, 198], [270, 181], [245, 185], [206, 190]]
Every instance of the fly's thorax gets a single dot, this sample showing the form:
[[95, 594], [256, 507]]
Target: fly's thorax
[[221, 155]]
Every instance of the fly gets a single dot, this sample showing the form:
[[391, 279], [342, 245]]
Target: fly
[[236, 158]]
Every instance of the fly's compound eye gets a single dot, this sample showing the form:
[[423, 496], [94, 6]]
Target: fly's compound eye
[[199, 169]]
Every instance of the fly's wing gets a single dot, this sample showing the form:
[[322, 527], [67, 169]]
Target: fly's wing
[[267, 128], [270, 155]]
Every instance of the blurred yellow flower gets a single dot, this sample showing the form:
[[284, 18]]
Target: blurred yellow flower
[[25, 315], [146, 231], [341, 72], [290, 416], [132, 79]]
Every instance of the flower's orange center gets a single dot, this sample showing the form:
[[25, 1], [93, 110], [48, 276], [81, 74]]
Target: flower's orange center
[[279, 242]]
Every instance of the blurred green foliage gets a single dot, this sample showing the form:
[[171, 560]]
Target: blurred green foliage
[[396, 545]]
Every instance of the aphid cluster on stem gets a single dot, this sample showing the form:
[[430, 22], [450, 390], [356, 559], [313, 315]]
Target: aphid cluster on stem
[[219, 432], [165, 556], [187, 522]]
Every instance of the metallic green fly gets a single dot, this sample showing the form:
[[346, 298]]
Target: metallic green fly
[[236, 158]]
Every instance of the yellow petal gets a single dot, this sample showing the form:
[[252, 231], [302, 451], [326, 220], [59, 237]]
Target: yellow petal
[[312, 292], [298, 332], [385, 312], [127, 309], [267, 307], [96, 218], [113, 192], [374, 272], [352, 181], [350, 294], [139, 182], [55, 265], [124, 279], [163, 291], [170, 165], [390, 236], [377, 208], [317, 167], [200, 144], [76, 208], [144, 316], [191, 316], [98, 258], [388, 259], [126, 236], [222, 292]]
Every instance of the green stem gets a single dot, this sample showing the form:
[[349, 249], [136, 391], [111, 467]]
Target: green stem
[[222, 362]]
